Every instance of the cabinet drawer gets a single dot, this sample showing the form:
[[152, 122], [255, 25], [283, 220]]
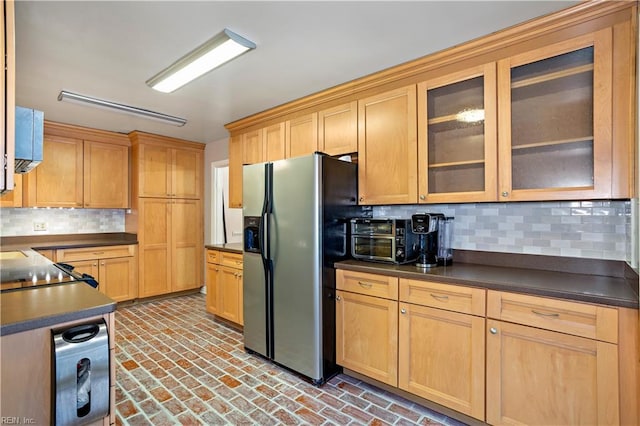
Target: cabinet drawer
[[232, 260], [213, 256], [369, 284], [86, 253], [579, 319], [467, 300]]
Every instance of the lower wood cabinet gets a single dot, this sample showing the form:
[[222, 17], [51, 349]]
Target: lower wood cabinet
[[499, 357], [367, 324], [441, 348], [367, 335], [539, 376], [114, 267], [224, 285]]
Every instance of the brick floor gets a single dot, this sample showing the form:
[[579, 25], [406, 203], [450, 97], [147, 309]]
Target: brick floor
[[175, 364]]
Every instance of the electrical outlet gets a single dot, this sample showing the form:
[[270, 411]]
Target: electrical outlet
[[39, 226]]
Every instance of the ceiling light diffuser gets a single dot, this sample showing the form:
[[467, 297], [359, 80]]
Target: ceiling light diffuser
[[211, 54], [140, 112]]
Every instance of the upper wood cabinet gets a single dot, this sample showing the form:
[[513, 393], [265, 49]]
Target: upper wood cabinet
[[81, 167], [544, 110], [457, 135], [387, 148], [555, 106], [13, 198], [58, 180], [274, 142], [252, 147], [166, 167], [338, 129], [301, 135], [106, 175], [235, 172]]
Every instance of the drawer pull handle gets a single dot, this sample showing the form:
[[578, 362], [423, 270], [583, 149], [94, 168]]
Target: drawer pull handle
[[365, 285], [439, 297], [546, 314], [493, 330], [98, 252], [403, 311], [338, 298]]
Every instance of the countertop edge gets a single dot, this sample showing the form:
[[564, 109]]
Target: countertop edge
[[228, 247], [559, 292], [52, 320]]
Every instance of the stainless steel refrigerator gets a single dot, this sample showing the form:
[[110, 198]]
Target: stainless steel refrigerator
[[295, 227]]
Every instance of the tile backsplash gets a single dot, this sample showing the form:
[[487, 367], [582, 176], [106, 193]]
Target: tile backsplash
[[587, 229], [17, 222]]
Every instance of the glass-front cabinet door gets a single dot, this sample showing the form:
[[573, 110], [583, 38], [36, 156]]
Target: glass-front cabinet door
[[457, 132], [555, 107]]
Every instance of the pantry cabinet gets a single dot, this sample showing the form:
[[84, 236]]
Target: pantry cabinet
[[457, 137], [169, 245], [167, 213], [169, 172], [567, 349], [302, 135], [338, 129], [114, 267], [387, 147], [367, 324], [555, 113], [224, 285], [75, 163]]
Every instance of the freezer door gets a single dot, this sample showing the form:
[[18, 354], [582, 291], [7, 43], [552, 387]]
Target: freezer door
[[254, 283], [295, 250]]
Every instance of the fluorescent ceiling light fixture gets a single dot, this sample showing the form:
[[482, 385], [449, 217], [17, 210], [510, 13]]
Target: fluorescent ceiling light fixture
[[211, 54], [140, 112]]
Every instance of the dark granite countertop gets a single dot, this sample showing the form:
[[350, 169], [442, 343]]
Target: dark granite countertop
[[53, 242], [45, 306], [230, 247], [608, 290]]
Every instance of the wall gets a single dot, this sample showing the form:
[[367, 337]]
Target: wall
[[16, 222], [214, 152], [587, 229]]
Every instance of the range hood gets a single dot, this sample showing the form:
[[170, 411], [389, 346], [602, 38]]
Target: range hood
[[29, 136]]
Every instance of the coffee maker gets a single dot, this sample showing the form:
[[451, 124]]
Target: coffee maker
[[434, 231]]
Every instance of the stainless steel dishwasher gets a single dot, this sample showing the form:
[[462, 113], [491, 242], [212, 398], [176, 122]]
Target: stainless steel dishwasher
[[81, 374]]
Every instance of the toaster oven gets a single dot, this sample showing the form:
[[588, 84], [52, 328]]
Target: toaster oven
[[383, 240]]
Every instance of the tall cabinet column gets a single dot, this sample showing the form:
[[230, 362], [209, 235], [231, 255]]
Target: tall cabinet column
[[167, 213]]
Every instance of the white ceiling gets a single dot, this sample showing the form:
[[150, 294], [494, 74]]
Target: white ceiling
[[109, 49]]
